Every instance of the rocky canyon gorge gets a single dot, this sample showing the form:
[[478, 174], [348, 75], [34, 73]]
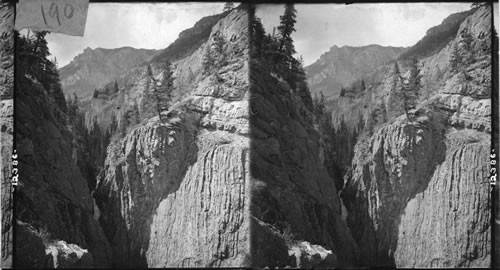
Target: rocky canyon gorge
[[257, 161]]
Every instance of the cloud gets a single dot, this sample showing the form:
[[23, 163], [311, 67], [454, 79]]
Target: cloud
[[320, 26], [138, 25]]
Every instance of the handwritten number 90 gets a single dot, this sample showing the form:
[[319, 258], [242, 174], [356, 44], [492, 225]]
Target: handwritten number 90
[[54, 12]]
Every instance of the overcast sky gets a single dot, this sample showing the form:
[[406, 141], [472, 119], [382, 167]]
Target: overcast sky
[[139, 25], [320, 26]]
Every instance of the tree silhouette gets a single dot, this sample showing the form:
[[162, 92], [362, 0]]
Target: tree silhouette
[[207, 61], [455, 58], [116, 89], [286, 47], [396, 94], [163, 93], [412, 87]]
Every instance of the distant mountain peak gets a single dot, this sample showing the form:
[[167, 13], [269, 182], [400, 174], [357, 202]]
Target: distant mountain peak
[[93, 68], [342, 66]]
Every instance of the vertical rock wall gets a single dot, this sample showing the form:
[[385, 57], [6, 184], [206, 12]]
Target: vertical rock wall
[[419, 193], [175, 192]]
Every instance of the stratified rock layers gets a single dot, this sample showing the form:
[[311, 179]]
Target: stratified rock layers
[[418, 195], [175, 193]]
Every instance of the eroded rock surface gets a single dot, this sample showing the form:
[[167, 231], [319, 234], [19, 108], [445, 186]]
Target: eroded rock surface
[[175, 192], [418, 194]]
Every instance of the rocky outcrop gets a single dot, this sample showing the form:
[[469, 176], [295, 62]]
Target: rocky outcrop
[[308, 256], [52, 197], [93, 68], [418, 194], [175, 192], [7, 129], [39, 251], [185, 54], [293, 197], [64, 255]]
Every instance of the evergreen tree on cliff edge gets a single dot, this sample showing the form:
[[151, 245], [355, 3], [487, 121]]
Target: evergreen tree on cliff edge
[[285, 30], [163, 93]]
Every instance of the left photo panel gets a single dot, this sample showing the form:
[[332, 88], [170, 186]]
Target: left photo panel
[[132, 140], [7, 123]]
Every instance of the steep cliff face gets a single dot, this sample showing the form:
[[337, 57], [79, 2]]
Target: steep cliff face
[[418, 194], [93, 68], [437, 37], [176, 192], [340, 67], [189, 40], [185, 53], [54, 224], [6, 122], [295, 206]]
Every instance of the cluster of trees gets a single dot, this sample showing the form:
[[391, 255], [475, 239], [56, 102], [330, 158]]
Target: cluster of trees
[[32, 60], [129, 117], [338, 142], [356, 87], [156, 99], [462, 53], [214, 57], [91, 143], [109, 89], [405, 93], [278, 50]]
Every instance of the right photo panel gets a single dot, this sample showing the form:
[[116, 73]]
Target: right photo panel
[[371, 134]]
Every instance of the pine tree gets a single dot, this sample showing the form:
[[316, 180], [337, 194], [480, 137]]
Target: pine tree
[[114, 124], [456, 58], [257, 33], [208, 60], [219, 43], [320, 108], [72, 108], [413, 86], [124, 122], [96, 94], [136, 117], [149, 72], [383, 113], [363, 86], [163, 93], [286, 48], [467, 50], [146, 102], [370, 122], [342, 92], [361, 123], [116, 89], [396, 93], [52, 83]]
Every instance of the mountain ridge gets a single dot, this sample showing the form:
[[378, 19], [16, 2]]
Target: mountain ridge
[[93, 68], [342, 66]]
